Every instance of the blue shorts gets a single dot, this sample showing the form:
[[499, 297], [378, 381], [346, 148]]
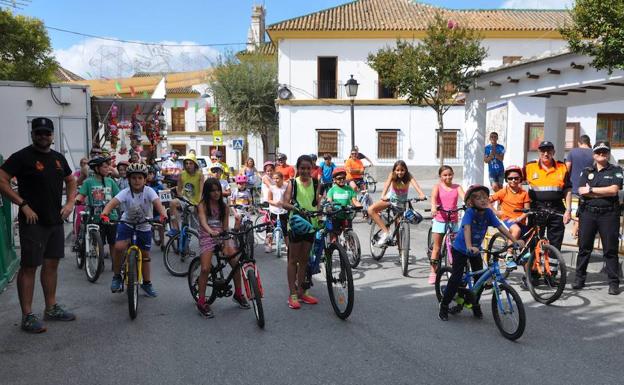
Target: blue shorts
[[497, 179], [508, 223], [144, 238], [440, 227]]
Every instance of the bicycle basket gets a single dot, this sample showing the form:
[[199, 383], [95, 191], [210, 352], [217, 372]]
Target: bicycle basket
[[412, 216]]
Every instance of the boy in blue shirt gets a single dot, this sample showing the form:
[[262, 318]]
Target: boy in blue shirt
[[327, 170], [478, 217]]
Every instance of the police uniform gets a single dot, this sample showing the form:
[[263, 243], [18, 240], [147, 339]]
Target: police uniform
[[600, 215], [547, 189]]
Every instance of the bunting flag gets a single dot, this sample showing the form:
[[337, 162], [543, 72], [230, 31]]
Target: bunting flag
[[207, 107], [175, 103], [145, 96], [118, 86], [214, 110], [186, 104], [132, 92], [196, 107]]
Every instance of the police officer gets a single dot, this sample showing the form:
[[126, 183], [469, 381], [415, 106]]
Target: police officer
[[549, 186], [599, 211]]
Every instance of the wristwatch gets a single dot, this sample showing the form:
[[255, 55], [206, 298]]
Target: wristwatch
[[591, 189]]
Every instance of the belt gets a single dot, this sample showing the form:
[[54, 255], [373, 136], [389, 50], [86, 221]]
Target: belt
[[600, 210]]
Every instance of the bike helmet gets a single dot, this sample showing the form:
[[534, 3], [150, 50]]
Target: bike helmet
[[216, 166], [514, 168], [339, 170], [474, 188], [412, 216], [299, 225], [151, 169], [314, 157], [268, 163], [98, 161], [281, 157], [123, 163], [137, 168], [241, 179]]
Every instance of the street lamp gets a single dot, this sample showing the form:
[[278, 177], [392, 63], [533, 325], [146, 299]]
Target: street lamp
[[352, 87]]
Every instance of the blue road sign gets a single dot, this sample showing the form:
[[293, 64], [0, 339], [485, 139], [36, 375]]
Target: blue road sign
[[237, 144]]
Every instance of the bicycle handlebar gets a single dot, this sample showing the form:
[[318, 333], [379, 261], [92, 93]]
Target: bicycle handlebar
[[539, 211], [228, 234], [136, 224], [448, 212]]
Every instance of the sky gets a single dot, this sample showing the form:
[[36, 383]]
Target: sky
[[223, 23]]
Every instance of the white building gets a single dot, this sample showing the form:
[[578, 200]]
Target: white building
[[318, 52]]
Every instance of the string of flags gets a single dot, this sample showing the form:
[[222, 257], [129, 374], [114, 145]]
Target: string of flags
[[145, 94]]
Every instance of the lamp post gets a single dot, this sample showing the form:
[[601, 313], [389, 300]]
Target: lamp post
[[352, 88]]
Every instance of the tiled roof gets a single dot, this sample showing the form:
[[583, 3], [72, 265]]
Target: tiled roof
[[181, 90], [65, 75], [266, 49], [408, 15]]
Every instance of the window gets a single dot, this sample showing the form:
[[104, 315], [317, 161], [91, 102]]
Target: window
[[326, 84], [179, 147], [387, 144], [384, 92], [212, 121], [535, 134], [511, 59], [177, 119], [327, 142], [610, 127], [449, 144]]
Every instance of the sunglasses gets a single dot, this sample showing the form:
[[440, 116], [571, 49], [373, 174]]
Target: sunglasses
[[340, 178], [213, 159], [602, 152], [43, 133], [514, 178]]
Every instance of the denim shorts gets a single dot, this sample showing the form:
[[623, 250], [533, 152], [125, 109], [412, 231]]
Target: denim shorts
[[497, 179], [440, 227], [508, 223], [144, 238]]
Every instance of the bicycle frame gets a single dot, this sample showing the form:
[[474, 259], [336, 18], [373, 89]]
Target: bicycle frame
[[491, 271]]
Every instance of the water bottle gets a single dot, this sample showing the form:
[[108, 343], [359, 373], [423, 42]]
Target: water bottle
[[316, 255], [525, 257]]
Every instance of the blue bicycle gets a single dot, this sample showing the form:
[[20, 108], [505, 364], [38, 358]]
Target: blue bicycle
[[184, 246], [507, 308]]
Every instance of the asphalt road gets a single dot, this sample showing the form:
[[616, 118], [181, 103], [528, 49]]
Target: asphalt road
[[392, 337]]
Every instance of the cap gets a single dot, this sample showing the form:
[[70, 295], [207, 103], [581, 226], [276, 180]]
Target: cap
[[602, 146], [42, 124], [546, 144]]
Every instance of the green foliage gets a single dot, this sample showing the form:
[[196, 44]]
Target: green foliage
[[434, 71], [598, 31], [245, 91], [25, 51]]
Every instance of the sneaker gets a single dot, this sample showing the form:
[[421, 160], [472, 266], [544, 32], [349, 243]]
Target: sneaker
[[443, 313], [383, 239], [204, 309], [116, 284], [511, 264], [578, 285], [172, 232], [241, 301], [293, 302], [523, 283], [31, 324], [148, 288], [432, 278], [268, 249], [57, 313], [308, 299], [476, 311], [614, 289]]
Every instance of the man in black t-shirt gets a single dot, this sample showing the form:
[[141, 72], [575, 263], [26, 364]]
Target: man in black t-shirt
[[40, 173]]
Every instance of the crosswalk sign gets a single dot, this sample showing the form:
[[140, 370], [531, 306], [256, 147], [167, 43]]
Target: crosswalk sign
[[237, 144], [217, 137]]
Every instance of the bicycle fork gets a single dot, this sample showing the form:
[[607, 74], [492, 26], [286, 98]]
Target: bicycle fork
[[251, 266]]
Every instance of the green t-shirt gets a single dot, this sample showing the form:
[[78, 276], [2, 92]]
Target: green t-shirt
[[99, 194], [342, 195]]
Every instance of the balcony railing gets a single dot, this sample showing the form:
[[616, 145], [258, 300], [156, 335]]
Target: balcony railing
[[328, 89]]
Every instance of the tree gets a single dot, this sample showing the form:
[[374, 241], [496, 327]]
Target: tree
[[245, 90], [597, 30], [25, 50], [432, 72]]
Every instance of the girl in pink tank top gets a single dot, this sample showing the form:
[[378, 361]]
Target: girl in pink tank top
[[445, 194]]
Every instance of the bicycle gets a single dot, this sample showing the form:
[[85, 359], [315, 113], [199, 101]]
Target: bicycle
[[218, 285], [544, 262], [371, 183], [182, 247], [507, 310], [445, 257], [337, 266], [90, 251], [132, 266], [394, 219], [348, 238], [246, 224]]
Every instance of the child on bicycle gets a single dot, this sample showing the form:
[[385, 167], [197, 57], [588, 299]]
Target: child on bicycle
[[213, 220], [510, 198], [444, 194], [478, 217], [138, 203], [395, 189], [276, 209], [343, 195], [99, 189], [240, 196], [327, 170], [154, 183]]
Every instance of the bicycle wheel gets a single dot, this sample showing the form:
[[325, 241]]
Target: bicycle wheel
[[352, 247], [193, 277], [547, 274], [260, 235], [249, 239], [508, 311], [278, 238], [132, 287], [442, 277], [80, 255], [404, 242], [256, 298], [372, 183], [498, 242], [179, 254], [376, 252], [339, 280], [94, 260]]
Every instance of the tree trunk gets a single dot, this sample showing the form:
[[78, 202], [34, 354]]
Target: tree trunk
[[440, 115], [264, 137]]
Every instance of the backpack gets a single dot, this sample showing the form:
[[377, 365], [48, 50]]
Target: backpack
[[293, 198]]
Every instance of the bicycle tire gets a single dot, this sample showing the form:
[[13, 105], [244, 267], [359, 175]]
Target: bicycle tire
[[376, 252], [340, 285], [249, 239], [256, 298], [442, 276], [556, 280], [508, 308], [80, 254], [177, 261], [193, 276], [371, 183], [94, 260], [497, 242], [353, 248], [277, 238], [404, 241], [132, 288], [260, 235]]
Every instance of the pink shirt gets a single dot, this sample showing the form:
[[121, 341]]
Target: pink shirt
[[448, 200]]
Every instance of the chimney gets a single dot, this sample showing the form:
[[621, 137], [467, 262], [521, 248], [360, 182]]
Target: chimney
[[255, 36]]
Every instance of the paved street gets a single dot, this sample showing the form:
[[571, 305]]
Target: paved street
[[393, 335]]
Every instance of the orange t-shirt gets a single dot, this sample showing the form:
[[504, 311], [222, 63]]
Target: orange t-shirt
[[357, 168], [286, 170], [510, 201]]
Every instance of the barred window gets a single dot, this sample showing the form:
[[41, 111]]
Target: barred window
[[327, 142], [449, 144], [387, 144], [177, 119], [212, 121]]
